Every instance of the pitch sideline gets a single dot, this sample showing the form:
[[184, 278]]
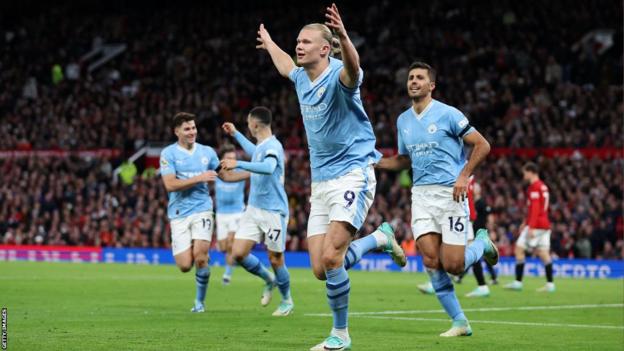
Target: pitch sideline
[[484, 309], [389, 315]]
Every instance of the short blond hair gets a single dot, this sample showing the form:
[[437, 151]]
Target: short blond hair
[[326, 33]]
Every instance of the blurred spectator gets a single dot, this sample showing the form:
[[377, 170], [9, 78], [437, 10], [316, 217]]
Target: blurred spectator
[[518, 87], [72, 201]]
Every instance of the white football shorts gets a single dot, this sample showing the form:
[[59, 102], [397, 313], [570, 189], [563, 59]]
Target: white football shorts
[[471, 233], [435, 211], [197, 226], [263, 226], [541, 239], [347, 199], [227, 223]]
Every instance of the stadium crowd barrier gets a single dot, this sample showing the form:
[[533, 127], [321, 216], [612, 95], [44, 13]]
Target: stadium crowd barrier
[[563, 268], [96, 153], [550, 152], [154, 153]]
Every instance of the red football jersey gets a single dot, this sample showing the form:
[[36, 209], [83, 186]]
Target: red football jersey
[[471, 204], [537, 200]]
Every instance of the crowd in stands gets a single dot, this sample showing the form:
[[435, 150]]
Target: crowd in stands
[[521, 88], [72, 201], [523, 76]]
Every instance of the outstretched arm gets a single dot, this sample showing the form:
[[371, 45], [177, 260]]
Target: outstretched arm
[[267, 166], [394, 163], [174, 184], [231, 176], [282, 61], [480, 150], [350, 58], [247, 145]]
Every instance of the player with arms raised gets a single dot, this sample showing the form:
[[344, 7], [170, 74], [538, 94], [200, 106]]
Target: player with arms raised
[[342, 153], [266, 216]]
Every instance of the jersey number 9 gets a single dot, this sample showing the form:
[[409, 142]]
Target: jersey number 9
[[349, 196]]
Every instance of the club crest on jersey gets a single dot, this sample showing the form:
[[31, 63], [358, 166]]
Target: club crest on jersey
[[320, 92], [204, 160], [432, 128]]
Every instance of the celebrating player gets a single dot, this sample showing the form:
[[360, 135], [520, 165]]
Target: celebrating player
[[267, 214], [342, 152], [186, 166], [431, 136], [230, 203], [535, 230]]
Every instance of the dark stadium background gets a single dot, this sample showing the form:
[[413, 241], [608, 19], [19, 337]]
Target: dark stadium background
[[540, 81]]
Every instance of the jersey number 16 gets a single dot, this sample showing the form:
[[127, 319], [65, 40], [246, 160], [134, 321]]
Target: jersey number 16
[[458, 226]]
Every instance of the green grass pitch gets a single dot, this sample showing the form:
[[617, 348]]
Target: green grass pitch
[[62, 306]]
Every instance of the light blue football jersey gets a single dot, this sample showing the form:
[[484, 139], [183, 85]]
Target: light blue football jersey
[[230, 196], [340, 135], [434, 142], [266, 191], [174, 159]]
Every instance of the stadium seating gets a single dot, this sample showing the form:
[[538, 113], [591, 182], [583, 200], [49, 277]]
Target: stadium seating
[[520, 88]]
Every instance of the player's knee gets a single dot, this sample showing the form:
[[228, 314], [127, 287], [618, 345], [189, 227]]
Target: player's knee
[[319, 273], [238, 256], [331, 260], [454, 267], [185, 267], [431, 262], [238, 253], [276, 260], [201, 261]]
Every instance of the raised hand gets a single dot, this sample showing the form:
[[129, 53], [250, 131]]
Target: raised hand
[[334, 21], [263, 37], [229, 128]]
